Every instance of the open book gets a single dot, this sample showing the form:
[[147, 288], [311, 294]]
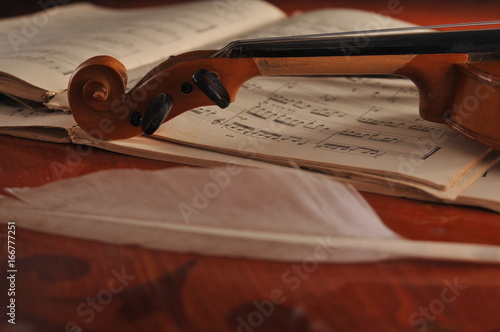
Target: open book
[[366, 131]]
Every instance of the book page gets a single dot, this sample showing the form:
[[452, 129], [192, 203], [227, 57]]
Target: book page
[[16, 116], [147, 147], [485, 191], [357, 124], [49, 125], [43, 49], [394, 187], [363, 124]]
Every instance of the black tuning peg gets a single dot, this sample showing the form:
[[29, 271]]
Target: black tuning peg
[[210, 84], [156, 113]]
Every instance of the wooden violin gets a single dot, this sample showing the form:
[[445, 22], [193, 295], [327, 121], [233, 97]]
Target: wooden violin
[[457, 74]]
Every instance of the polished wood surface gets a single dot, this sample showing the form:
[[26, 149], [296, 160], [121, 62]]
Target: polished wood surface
[[66, 284]]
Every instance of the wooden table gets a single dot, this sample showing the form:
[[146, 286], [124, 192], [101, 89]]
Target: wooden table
[[66, 284]]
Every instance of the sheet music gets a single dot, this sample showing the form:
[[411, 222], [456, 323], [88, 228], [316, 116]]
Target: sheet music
[[45, 48], [349, 124], [485, 191], [364, 125], [17, 116], [322, 22], [371, 125]]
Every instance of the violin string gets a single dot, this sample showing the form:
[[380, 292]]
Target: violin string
[[353, 33]]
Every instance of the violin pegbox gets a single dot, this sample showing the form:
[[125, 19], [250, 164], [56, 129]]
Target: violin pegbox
[[103, 108]]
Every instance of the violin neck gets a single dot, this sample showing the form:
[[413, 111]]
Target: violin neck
[[444, 42], [429, 59]]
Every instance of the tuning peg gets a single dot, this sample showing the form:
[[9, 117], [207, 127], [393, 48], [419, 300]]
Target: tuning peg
[[156, 113], [210, 84]]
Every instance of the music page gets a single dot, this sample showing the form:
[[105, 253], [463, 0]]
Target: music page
[[340, 125], [485, 191], [44, 48]]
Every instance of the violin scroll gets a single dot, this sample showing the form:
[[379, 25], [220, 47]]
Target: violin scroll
[[95, 94], [102, 107]]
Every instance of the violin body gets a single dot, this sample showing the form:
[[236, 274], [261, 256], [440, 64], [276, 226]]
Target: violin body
[[475, 109], [458, 81]]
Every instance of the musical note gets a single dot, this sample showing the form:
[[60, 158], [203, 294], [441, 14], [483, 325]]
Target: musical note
[[335, 147], [370, 121], [393, 124], [352, 149], [288, 120], [353, 133], [240, 128], [392, 99], [386, 138], [267, 135], [421, 128], [203, 112], [281, 99], [252, 86], [369, 152], [329, 98], [328, 112], [296, 139], [380, 137], [314, 125], [26, 112], [301, 104], [261, 113], [218, 121]]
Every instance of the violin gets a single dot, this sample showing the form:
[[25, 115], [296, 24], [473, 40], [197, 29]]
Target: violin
[[457, 74]]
